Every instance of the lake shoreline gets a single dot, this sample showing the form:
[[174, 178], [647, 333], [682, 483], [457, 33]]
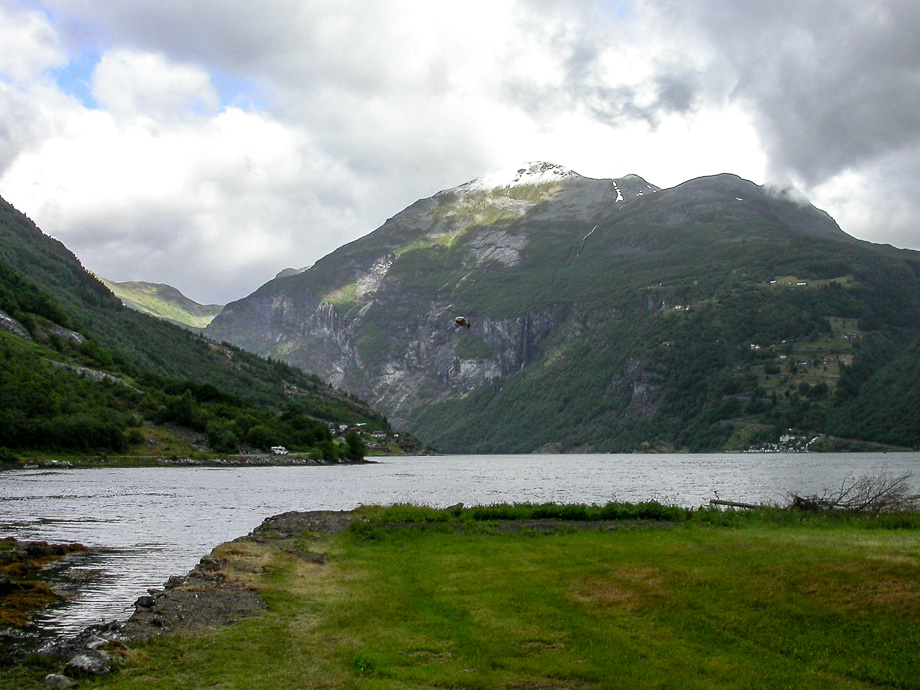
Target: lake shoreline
[[304, 460], [151, 521], [254, 460], [206, 598], [226, 587], [203, 598]]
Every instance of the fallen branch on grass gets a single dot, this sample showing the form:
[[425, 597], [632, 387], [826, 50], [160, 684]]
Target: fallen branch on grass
[[879, 493], [734, 504]]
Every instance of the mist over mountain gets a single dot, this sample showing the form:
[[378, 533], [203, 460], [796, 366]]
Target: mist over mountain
[[606, 315]]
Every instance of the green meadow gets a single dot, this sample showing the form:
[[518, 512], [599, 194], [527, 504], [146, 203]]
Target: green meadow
[[418, 598]]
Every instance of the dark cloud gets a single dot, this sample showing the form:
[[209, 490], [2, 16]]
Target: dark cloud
[[677, 93], [834, 84], [227, 31]]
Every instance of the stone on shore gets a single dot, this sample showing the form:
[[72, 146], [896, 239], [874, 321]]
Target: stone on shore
[[89, 663], [55, 681]]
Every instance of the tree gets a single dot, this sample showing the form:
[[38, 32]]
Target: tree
[[354, 447], [260, 437]]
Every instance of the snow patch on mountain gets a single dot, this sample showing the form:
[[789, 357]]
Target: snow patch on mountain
[[534, 173]]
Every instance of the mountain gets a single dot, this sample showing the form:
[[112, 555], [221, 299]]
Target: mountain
[[82, 373], [164, 302], [606, 315]]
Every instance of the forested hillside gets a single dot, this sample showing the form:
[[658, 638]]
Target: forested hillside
[[83, 373]]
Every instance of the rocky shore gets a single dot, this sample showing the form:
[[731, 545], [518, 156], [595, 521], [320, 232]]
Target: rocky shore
[[22, 590], [217, 591], [220, 590], [253, 460]]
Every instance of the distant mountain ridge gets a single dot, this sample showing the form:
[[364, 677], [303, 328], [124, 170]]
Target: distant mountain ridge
[[164, 302], [607, 315]]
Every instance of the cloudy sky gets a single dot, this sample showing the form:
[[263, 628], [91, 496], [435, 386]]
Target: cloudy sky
[[209, 144]]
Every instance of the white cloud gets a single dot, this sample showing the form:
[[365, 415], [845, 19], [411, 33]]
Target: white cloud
[[29, 46], [212, 204], [159, 183], [877, 202], [131, 84]]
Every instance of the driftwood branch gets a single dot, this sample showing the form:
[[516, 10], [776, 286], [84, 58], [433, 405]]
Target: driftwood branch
[[879, 493], [733, 504]]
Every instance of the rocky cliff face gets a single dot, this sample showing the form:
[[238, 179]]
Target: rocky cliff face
[[365, 318], [562, 278]]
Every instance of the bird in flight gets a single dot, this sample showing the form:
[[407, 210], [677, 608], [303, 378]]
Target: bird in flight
[[461, 321]]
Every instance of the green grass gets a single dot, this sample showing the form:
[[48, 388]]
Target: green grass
[[345, 296], [419, 598], [447, 240]]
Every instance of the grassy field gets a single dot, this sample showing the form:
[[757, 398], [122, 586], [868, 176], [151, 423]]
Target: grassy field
[[701, 600]]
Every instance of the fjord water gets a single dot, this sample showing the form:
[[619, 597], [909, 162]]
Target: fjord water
[[151, 523]]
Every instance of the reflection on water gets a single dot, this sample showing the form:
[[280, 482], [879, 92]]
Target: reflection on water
[[151, 523]]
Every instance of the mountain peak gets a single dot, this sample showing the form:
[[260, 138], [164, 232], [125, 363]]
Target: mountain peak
[[531, 173]]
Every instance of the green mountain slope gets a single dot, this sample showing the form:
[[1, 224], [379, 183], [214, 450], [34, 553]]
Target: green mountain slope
[[607, 315], [83, 373], [164, 302]]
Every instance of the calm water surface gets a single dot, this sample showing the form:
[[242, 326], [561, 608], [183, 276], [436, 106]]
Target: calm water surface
[[155, 522]]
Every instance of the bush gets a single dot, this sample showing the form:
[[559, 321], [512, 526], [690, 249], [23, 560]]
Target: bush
[[134, 437]]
